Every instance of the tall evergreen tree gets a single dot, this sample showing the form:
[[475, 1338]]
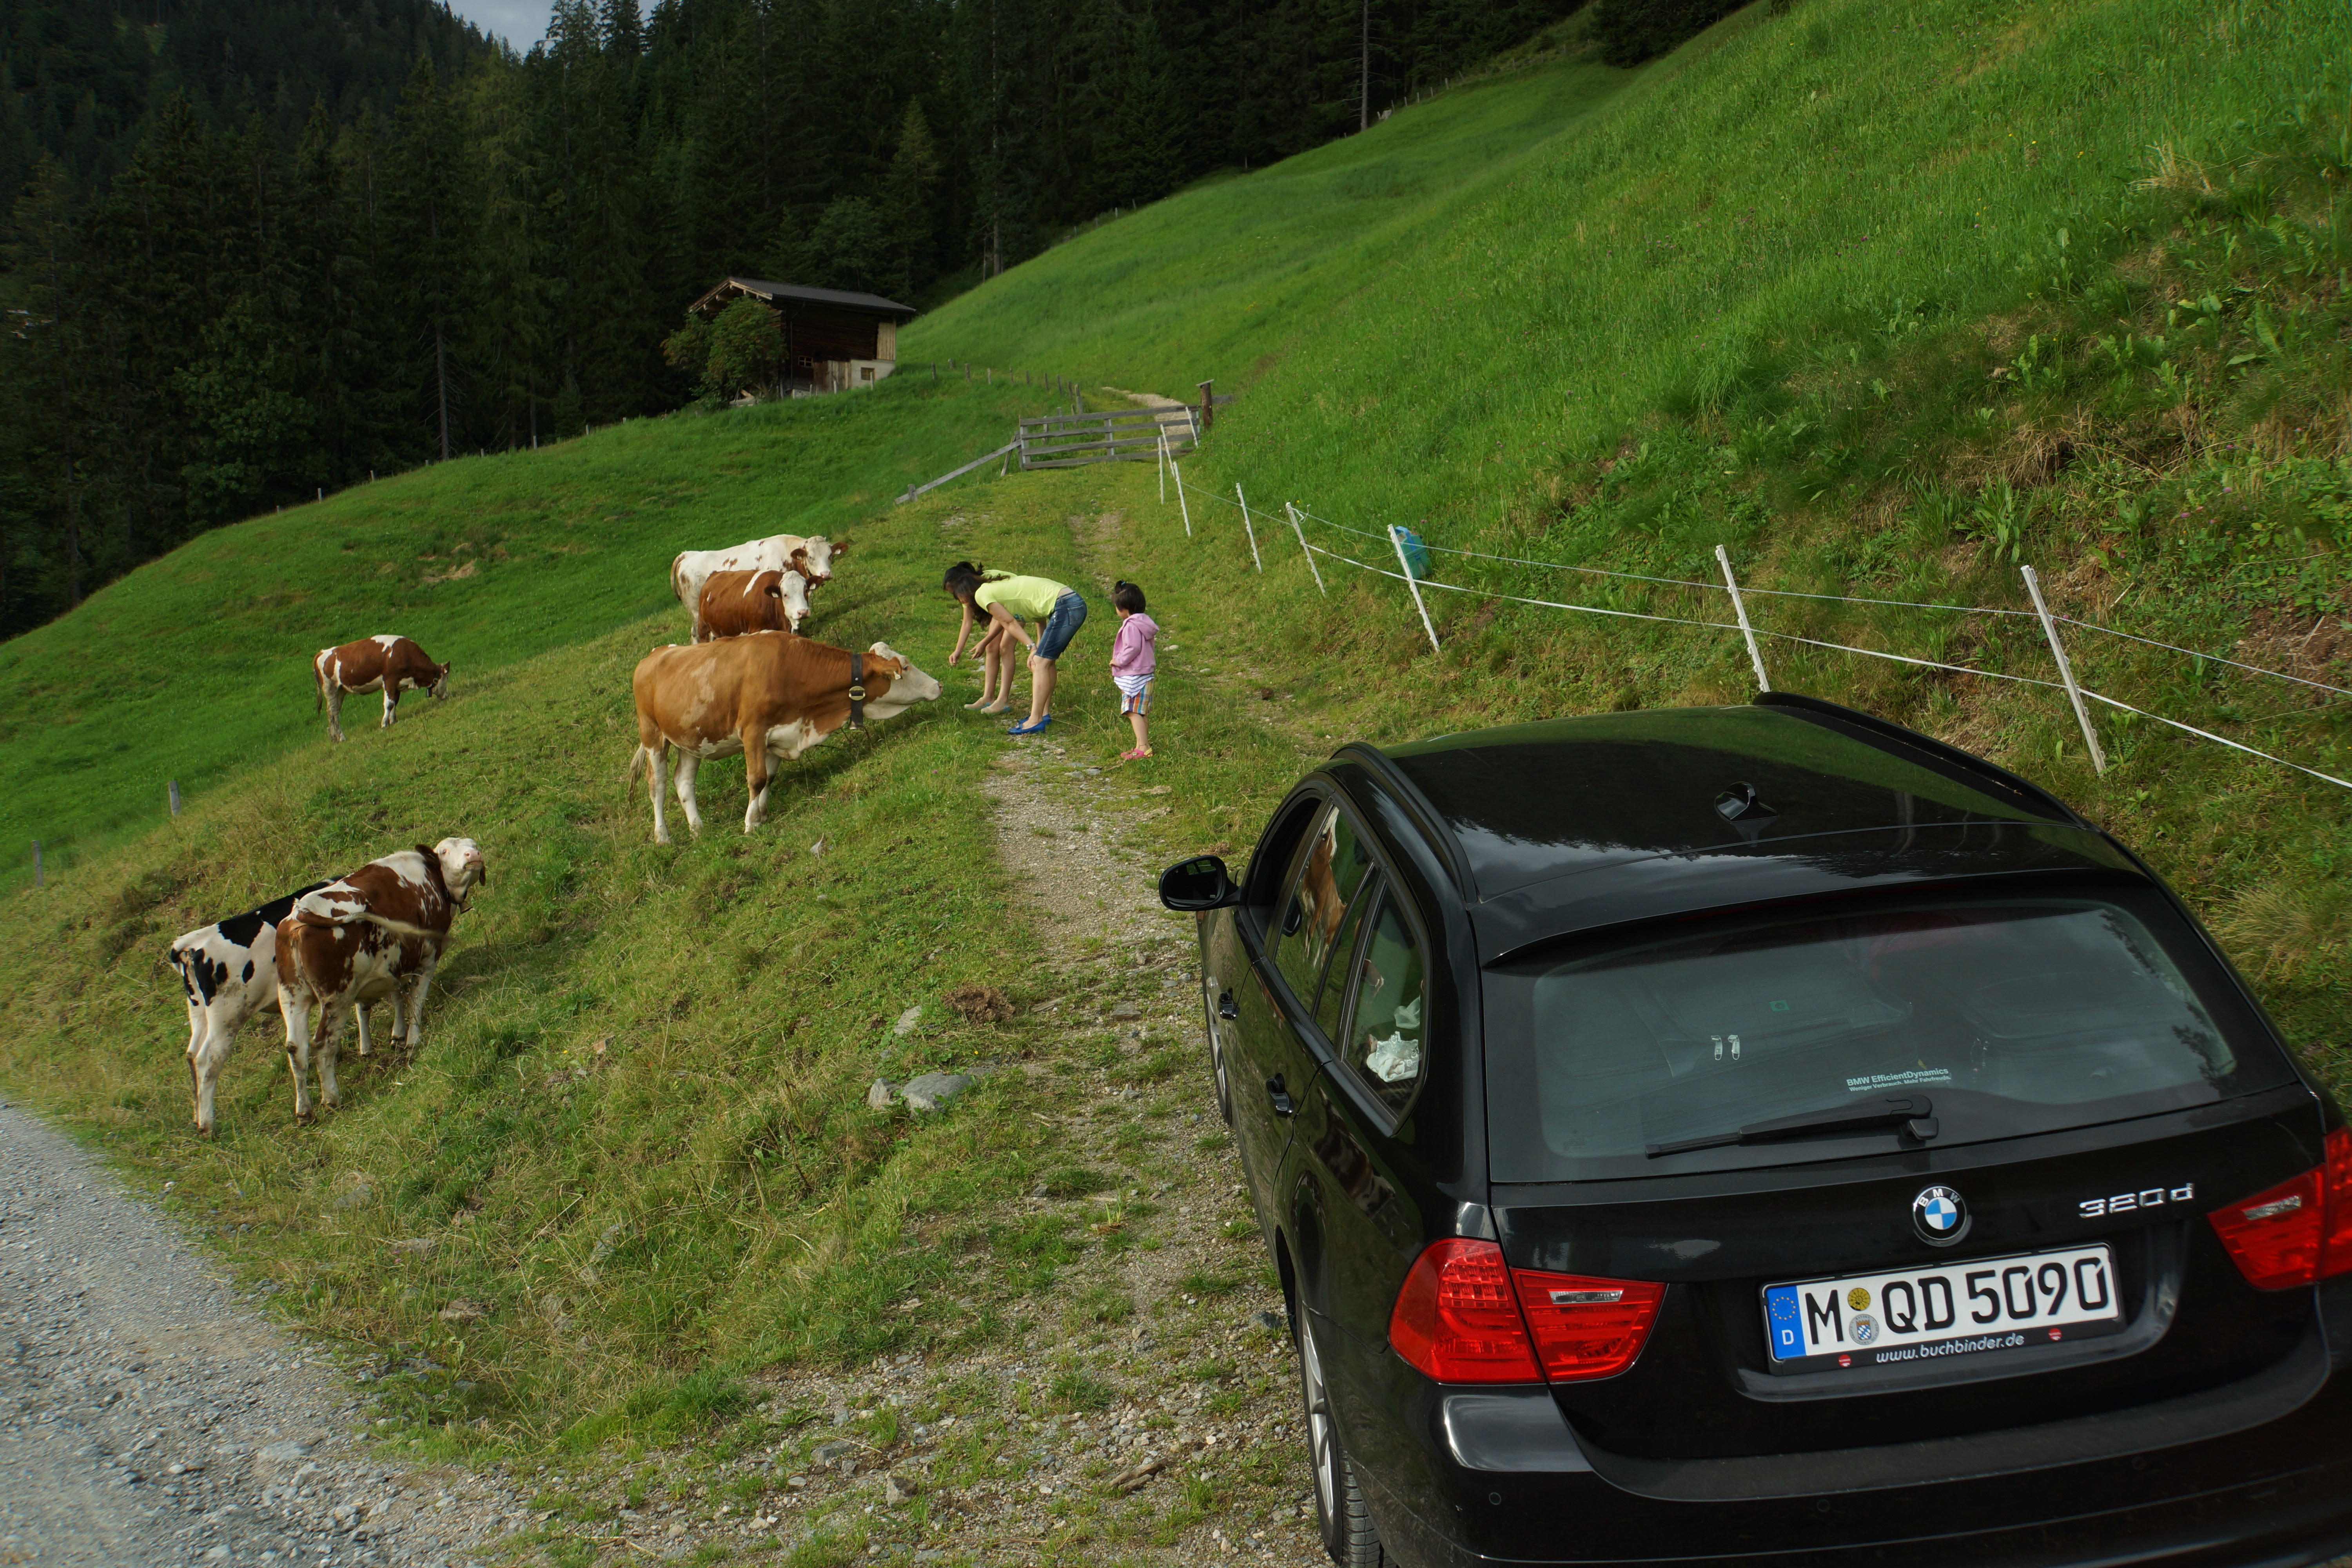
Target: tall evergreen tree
[[432, 246]]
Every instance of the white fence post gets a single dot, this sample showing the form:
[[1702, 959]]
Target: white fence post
[[173, 787], [1396, 537], [2065, 671], [1740, 608], [1295, 529], [1163, 467], [1181, 502], [1246, 527]]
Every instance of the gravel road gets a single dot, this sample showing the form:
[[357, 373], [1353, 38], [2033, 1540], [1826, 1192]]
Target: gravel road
[[149, 1415]]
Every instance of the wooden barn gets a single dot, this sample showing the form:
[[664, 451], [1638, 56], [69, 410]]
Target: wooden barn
[[833, 340]]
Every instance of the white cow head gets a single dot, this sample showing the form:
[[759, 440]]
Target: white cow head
[[908, 685], [461, 866], [793, 588]]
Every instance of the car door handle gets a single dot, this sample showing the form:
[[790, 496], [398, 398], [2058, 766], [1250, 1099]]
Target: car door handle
[[1226, 1008], [1279, 1092]]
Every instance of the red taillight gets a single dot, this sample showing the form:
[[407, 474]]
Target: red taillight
[[2336, 1252], [1455, 1319], [1584, 1327], [2298, 1232], [1465, 1316]]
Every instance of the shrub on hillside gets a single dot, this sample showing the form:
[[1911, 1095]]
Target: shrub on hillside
[[743, 349]]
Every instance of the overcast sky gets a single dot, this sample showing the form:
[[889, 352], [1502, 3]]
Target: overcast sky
[[522, 23]]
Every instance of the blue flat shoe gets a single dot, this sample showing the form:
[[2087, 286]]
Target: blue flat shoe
[[1030, 727]]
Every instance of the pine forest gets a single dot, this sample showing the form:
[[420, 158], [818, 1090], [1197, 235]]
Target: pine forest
[[260, 249]]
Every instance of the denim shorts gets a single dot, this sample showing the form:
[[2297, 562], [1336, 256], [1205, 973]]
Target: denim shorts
[[1069, 615]]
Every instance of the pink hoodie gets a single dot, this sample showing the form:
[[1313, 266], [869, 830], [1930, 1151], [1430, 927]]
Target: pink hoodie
[[1131, 653]]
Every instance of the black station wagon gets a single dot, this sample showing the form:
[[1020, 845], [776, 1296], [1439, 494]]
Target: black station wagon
[[1766, 1134]]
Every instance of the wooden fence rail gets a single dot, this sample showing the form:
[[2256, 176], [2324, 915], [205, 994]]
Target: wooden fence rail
[[1074, 440]]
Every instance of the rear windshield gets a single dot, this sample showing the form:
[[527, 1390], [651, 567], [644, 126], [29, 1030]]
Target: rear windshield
[[2006, 1017]]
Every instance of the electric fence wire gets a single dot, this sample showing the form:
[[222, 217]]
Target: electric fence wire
[[1816, 642]]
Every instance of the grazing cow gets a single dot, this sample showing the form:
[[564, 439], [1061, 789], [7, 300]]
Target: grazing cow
[[812, 557], [388, 664], [359, 940], [734, 603], [769, 695], [228, 971]]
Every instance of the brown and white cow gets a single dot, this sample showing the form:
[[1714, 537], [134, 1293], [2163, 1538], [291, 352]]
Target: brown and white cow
[[812, 557], [735, 602], [386, 663], [770, 696], [228, 972], [361, 939]]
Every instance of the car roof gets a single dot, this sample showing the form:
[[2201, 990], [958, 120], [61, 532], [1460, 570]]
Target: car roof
[[1751, 789]]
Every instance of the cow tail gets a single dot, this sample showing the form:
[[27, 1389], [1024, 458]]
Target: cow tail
[[400, 928], [636, 765]]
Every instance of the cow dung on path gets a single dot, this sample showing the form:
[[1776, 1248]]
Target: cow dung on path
[[977, 1004]]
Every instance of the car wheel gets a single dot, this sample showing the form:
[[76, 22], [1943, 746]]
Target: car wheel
[[1216, 1054], [1339, 1511]]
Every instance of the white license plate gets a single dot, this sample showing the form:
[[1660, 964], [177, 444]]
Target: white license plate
[[1913, 1315]]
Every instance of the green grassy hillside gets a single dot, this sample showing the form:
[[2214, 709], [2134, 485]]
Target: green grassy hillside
[[198, 667]]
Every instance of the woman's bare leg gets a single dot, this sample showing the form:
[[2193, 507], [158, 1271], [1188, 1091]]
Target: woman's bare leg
[[1041, 686]]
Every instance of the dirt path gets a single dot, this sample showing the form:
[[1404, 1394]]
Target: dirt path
[[148, 1415], [1143, 1407]]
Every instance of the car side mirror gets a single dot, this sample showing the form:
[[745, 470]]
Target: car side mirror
[[1199, 884]]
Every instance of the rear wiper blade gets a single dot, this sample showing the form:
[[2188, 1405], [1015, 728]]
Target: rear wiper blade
[[1910, 1112]]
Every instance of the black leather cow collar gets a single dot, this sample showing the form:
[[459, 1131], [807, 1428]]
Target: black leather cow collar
[[856, 690]]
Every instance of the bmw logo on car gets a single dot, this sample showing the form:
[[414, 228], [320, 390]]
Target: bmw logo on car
[[1940, 1215]]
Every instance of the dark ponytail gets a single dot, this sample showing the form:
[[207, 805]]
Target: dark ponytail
[[963, 579], [1127, 596]]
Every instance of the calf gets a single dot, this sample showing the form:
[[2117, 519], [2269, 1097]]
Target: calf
[[769, 695], [812, 557], [228, 971], [356, 941], [734, 603], [386, 663]]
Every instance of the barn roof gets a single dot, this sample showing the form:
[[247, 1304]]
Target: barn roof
[[777, 293]]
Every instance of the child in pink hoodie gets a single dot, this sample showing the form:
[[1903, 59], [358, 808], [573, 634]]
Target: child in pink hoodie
[[1132, 660]]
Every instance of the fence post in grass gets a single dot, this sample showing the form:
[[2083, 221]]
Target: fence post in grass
[[1164, 468], [1246, 527], [1180, 494], [37, 862], [1396, 537], [1208, 409], [1740, 609], [2065, 670], [173, 788], [1296, 528]]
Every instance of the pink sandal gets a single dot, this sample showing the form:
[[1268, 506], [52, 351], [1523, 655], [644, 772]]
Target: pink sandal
[[1136, 755]]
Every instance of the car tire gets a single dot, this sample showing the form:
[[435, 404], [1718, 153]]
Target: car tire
[[1218, 1080], [1340, 1516]]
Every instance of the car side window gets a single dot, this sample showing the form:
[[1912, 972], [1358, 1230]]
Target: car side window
[[1329, 872], [1335, 988], [1389, 1021]]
